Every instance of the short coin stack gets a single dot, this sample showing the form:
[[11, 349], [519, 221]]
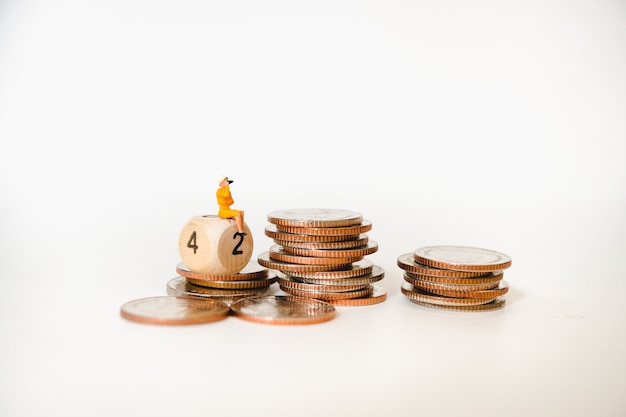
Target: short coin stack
[[252, 280], [320, 254], [455, 277]]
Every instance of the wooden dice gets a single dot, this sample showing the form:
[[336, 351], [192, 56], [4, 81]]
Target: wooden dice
[[211, 245]]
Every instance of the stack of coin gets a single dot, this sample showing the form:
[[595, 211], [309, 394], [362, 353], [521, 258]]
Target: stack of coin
[[253, 280], [455, 277], [320, 254]]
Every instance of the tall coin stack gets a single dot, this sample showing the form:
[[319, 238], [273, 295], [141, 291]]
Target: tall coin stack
[[458, 278], [320, 254]]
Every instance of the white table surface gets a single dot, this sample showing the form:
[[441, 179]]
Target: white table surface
[[486, 124]]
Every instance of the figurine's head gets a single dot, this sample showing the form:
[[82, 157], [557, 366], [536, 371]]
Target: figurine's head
[[223, 180]]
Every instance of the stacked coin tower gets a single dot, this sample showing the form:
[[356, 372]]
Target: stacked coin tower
[[458, 278], [320, 253], [252, 280]]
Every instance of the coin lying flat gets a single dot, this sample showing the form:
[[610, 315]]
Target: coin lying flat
[[496, 304], [377, 296], [291, 283], [180, 287], [462, 258], [357, 252], [356, 229], [407, 262], [314, 217], [415, 293], [377, 274], [272, 232], [491, 293], [236, 285], [329, 295], [277, 253], [251, 271], [466, 286], [283, 309], [174, 310], [356, 269], [490, 278], [360, 241], [267, 261]]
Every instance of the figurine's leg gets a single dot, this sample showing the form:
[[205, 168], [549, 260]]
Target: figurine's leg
[[239, 223]]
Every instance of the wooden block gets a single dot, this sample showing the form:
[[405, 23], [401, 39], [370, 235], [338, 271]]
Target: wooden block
[[209, 244]]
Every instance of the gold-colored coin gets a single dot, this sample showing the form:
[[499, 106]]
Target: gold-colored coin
[[420, 295], [288, 282], [361, 241], [277, 253], [491, 278], [356, 269], [287, 310], [496, 304], [460, 292], [180, 287], [272, 232], [407, 262], [378, 296], [462, 258], [174, 310], [376, 274], [358, 252], [236, 285], [357, 229], [251, 271], [324, 295], [467, 285], [265, 260], [315, 217]]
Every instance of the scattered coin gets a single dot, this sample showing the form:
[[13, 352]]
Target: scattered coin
[[279, 309], [174, 310]]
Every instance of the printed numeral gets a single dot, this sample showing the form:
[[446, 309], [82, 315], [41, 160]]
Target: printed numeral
[[191, 243], [236, 250]]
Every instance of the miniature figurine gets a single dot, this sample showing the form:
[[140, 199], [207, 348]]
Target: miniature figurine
[[224, 200]]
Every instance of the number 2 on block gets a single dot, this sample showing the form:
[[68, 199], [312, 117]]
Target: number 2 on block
[[191, 243], [236, 250]]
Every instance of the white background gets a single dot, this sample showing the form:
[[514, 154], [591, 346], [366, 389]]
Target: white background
[[492, 124]]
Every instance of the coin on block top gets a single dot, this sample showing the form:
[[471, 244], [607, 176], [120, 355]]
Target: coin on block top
[[462, 258], [315, 217]]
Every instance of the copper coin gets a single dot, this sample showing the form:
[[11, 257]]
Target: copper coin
[[462, 258], [342, 244], [237, 285], [272, 232], [501, 289], [356, 269], [357, 229], [251, 271], [283, 309], [421, 295], [277, 253], [314, 217], [496, 304], [465, 286], [287, 282], [378, 296], [490, 278], [265, 260], [407, 262], [174, 310], [358, 252], [377, 274], [180, 287], [328, 295]]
